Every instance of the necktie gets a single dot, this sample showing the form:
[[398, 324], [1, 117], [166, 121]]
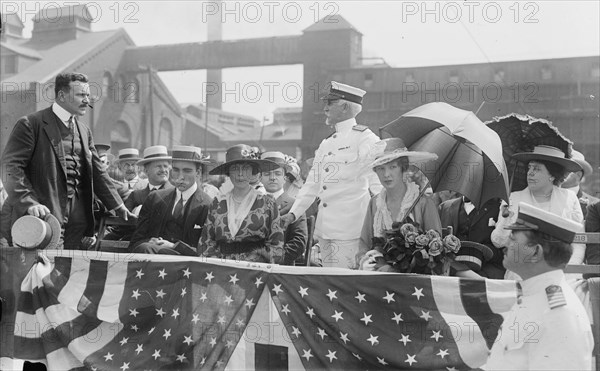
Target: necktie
[[129, 185], [178, 211], [72, 124], [519, 293]]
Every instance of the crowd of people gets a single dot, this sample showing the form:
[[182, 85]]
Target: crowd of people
[[254, 206]]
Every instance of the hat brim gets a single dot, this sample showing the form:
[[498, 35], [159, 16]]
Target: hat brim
[[55, 227], [568, 164], [263, 165], [147, 160], [413, 157], [486, 250], [118, 160], [586, 167]]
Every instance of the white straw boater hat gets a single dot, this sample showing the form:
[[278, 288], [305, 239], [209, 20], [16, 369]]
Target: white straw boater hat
[[390, 149], [548, 153], [128, 154], [154, 153], [31, 232], [189, 153]]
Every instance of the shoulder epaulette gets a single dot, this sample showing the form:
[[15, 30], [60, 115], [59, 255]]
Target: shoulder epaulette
[[555, 296], [360, 127], [330, 135]]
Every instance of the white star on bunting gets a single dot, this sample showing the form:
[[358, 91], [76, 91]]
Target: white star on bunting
[[373, 339], [162, 273], [389, 297], [277, 289], [338, 315], [405, 339], [436, 335], [366, 319], [331, 295], [418, 293], [360, 297]]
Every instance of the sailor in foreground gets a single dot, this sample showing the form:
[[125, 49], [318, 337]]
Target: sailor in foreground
[[548, 328], [340, 178]]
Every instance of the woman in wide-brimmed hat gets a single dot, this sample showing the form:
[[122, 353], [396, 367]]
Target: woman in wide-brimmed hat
[[243, 224], [548, 167], [399, 200]]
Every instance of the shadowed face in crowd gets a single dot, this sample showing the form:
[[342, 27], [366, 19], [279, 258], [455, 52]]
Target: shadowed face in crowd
[[241, 175], [184, 174], [129, 169], [538, 176], [390, 174], [104, 161], [519, 252], [76, 99], [158, 172], [273, 180]]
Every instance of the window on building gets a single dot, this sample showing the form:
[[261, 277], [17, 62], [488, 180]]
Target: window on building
[[499, 76], [546, 73], [165, 133], [10, 64], [595, 71], [368, 80], [453, 78], [120, 136], [107, 87]]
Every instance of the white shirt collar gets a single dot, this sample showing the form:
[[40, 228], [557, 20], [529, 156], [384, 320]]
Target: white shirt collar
[[133, 181], [152, 187], [187, 193], [62, 113], [574, 189], [537, 284], [345, 126], [277, 194]]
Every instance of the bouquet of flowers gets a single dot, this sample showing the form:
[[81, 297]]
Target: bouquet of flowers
[[406, 249]]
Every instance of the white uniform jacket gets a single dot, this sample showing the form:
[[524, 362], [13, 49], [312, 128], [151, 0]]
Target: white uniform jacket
[[547, 330], [340, 177]]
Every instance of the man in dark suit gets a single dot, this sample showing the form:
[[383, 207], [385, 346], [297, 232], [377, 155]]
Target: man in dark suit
[[52, 166], [171, 220], [592, 224], [296, 233], [470, 223], [156, 163]]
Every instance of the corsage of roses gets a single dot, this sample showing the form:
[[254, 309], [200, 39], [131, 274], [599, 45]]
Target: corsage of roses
[[405, 249]]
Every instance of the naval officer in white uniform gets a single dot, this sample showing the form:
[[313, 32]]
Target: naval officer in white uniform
[[548, 328], [341, 178]]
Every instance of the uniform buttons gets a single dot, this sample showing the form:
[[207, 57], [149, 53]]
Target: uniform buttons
[[325, 205], [330, 153], [335, 135], [326, 169], [324, 187]]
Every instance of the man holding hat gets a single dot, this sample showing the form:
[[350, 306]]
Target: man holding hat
[[52, 166], [574, 180], [171, 220], [340, 178], [548, 328], [103, 153], [296, 233]]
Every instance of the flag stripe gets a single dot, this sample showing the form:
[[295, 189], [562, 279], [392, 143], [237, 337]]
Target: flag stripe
[[94, 341], [502, 295], [108, 309], [63, 359], [73, 289], [468, 337], [473, 294], [88, 304]]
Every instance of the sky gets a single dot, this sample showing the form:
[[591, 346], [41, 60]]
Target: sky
[[403, 33]]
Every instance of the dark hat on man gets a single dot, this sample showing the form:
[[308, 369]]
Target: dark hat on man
[[473, 254], [155, 153], [548, 153], [31, 232], [531, 218], [102, 148], [336, 90], [243, 153], [128, 154]]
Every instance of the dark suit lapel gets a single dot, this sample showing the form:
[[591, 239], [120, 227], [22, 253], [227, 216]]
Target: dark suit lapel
[[453, 211], [84, 142], [52, 130], [192, 211]]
